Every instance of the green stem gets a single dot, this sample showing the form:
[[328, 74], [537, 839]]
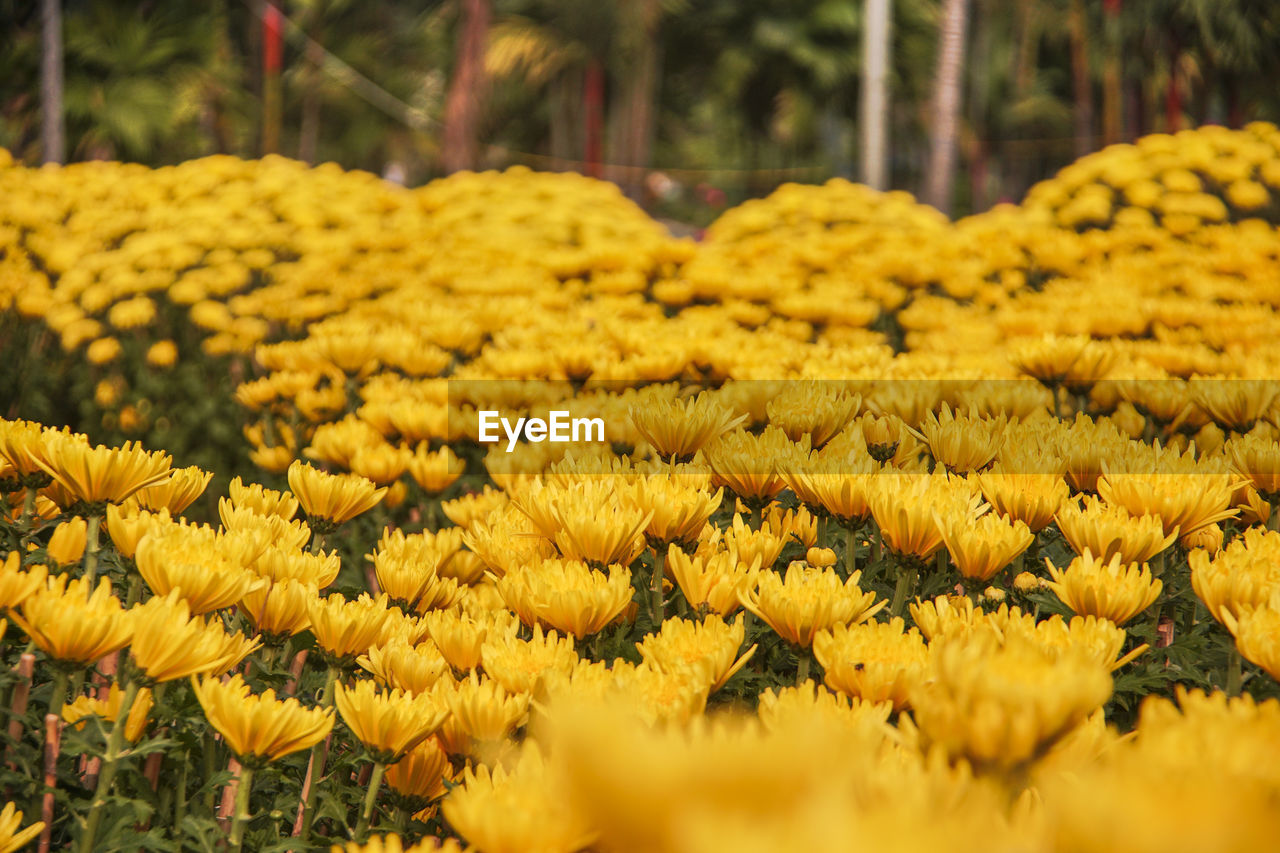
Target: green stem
[[210, 767], [134, 591], [1234, 673], [802, 671], [180, 794], [58, 692], [91, 549], [267, 658], [370, 796], [850, 550], [110, 763], [1189, 620], [28, 509], [905, 580], [1273, 520], [241, 817], [319, 755], [657, 608]]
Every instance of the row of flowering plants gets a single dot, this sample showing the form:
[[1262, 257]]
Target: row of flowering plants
[[903, 534], [173, 684]]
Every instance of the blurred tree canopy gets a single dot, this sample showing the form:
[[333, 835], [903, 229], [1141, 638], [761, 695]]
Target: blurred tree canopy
[[728, 98]]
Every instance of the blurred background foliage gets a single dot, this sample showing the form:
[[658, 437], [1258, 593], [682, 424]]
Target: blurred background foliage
[[725, 99]]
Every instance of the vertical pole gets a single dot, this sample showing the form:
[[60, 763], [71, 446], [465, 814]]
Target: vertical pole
[[875, 94], [272, 60], [53, 126], [946, 105]]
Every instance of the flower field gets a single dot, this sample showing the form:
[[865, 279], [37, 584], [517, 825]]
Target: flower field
[[905, 534]]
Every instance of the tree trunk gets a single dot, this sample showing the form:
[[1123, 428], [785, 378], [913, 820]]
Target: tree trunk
[[1137, 116], [1235, 109], [466, 90], [1082, 86], [1112, 85], [1173, 96], [875, 94], [218, 124], [642, 96], [566, 120], [946, 105], [593, 116], [309, 129], [53, 124]]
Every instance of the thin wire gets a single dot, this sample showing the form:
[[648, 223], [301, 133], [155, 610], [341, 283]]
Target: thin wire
[[417, 119], [412, 117]]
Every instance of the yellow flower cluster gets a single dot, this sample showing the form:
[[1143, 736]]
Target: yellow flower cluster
[[841, 432]]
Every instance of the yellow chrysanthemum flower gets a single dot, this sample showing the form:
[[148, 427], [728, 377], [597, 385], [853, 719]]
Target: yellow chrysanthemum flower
[[677, 429], [66, 545], [1108, 589], [1106, 530], [482, 715], [332, 499], [179, 559], [74, 713], [807, 600], [404, 666], [519, 665], [102, 474], [435, 472], [345, 629], [16, 584], [1000, 704], [872, 661], [1245, 576], [177, 493], [983, 547], [169, 643], [713, 581], [393, 843], [71, 624], [567, 595], [535, 813], [389, 723], [257, 727], [421, 774], [261, 500], [12, 838], [279, 609]]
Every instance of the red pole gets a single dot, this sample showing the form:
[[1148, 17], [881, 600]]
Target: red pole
[[271, 40], [593, 102], [272, 60]]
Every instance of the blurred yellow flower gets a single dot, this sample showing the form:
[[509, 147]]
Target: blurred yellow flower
[[66, 545], [74, 713]]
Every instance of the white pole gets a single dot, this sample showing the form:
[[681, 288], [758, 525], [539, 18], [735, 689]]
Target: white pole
[[875, 94]]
